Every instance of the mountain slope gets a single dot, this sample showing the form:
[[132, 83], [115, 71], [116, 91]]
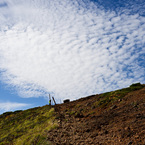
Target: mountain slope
[[27, 127], [111, 118]]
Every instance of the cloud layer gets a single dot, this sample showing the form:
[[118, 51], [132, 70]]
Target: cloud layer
[[69, 48], [11, 106]]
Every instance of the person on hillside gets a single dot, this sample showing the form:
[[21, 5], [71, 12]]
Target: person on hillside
[[49, 101]]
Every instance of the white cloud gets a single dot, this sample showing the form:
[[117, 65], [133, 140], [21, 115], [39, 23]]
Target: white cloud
[[67, 49], [11, 106]]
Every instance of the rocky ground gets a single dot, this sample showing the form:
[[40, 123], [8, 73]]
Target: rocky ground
[[84, 122]]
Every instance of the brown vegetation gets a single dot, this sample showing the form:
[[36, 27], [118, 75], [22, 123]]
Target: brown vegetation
[[115, 118]]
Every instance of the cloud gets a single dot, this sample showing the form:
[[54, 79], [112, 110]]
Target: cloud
[[2, 4], [11, 106], [69, 49]]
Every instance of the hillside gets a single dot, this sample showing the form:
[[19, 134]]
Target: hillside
[[112, 118]]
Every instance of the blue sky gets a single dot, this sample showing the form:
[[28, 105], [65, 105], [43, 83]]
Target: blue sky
[[69, 49]]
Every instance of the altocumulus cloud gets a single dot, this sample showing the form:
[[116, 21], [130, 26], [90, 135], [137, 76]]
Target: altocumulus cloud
[[69, 48]]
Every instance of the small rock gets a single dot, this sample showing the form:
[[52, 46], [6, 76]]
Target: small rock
[[119, 100], [127, 128], [78, 115], [88, 130], [77, 119], [106, 132], [66, 101], [93, 107], [130, 143]]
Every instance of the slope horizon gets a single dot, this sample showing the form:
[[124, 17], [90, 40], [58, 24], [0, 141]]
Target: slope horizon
[[25, 107]]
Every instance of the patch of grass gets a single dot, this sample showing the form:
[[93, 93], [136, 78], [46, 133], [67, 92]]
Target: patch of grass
[[110, 97], [72, 113], [78, 105], [134, 104], [27, 127]]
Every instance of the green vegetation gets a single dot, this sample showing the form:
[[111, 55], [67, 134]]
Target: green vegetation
[[110, 97], [27, 127], [72, 113]]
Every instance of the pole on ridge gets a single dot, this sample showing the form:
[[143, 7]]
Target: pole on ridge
[[54, 100]]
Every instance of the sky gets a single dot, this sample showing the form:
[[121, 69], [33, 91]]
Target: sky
[[69, 49]]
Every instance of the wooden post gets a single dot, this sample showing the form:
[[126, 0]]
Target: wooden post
[[54, 100], [49, 99]]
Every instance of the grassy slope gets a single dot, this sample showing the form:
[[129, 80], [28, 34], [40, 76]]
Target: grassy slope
[[110, 97], [26, 127], [31, 126]]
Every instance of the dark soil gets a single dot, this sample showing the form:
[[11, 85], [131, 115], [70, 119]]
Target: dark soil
[[82, 122]]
